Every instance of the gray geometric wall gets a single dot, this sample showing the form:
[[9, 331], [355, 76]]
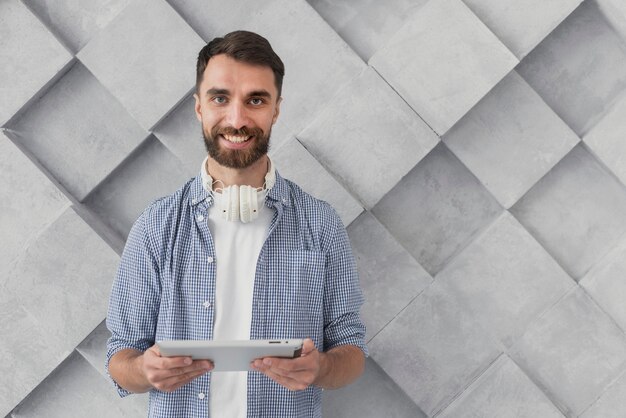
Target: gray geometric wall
[[476, 150]]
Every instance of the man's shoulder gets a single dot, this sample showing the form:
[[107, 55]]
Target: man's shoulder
[[164, 209], [313, 206]]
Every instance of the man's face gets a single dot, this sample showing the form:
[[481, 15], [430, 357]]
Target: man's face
[[237, 105]]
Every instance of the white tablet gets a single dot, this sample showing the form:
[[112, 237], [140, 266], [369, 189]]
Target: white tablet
[[228, 356]]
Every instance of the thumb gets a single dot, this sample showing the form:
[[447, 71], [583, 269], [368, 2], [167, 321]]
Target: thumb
[[307, 346]]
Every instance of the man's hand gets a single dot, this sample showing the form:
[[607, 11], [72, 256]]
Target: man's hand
[[139, 372], [294, 374], [333, 369]]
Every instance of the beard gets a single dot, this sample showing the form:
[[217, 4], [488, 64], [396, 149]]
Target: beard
[[233, 158]]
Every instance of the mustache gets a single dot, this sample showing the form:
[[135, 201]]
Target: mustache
[[230, 131]]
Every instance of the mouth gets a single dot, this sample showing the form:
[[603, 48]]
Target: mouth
[[237, 139]]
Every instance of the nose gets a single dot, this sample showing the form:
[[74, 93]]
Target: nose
[[237, 116]]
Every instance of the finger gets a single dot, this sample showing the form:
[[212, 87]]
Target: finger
[[288, 365], [176, 382], [307, 346], [289, 382], [174, 362], [160, 375]]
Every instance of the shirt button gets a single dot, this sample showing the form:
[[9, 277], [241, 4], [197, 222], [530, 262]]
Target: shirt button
[[207, 304], [284, 201], [210, 259], [194, 201], [200, 218], [200, 395]]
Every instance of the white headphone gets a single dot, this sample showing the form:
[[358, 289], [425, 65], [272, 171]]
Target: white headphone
[[239, 202]]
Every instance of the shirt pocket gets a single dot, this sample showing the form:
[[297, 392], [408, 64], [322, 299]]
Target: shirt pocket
[[295, 294]]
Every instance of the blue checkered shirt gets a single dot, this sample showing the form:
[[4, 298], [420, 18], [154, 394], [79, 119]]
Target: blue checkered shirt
[[306, 285]]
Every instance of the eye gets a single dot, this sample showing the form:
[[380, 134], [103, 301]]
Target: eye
[[255, 101], [218, 99]]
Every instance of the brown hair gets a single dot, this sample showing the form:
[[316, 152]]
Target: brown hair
[[243, 46]]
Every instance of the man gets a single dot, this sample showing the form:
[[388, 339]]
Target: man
[[237, 253]]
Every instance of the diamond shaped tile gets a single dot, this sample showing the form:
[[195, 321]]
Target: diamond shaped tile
[[317, 61], [62, 275], [606, 139], [368, 137], [606, 285], [580, 68], [389, 276], [505, 279], [29, 202], [181, 133], [366, 25], [457, 60], [436, 209], [147, 174], [510, 139], [611, 404], [149, 47], [432, 349], [574, 351], [577, 211], [502, 391], [521, 25], [374, 395], [75, 389], [30, 351], [78, 131], [295, 163], [30, 57], [76, 21]]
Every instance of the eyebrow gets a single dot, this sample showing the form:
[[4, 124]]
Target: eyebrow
[[215, 90], [226, 92]]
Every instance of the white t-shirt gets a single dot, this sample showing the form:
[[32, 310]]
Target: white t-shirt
[[237, 248]]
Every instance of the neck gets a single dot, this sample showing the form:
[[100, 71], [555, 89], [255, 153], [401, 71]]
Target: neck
[[254, 175]]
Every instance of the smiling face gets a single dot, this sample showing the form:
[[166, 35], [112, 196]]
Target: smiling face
[[237, 104]]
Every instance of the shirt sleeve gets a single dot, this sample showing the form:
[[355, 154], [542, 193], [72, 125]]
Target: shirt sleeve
[[135, 297], [343, 296]]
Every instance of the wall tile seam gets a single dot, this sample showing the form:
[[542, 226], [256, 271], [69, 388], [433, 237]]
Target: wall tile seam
[[77, 206], [170, 111], [442, 405], [51, 29], [30, 394], [598, 118], [565, 411], [601, 394], [337, 178], [471, 381], [346, 45], [175, 9], [400, 311], [509, 350], [601, 162], [407, 103], [98, 371], [38, 95], [609, 316]]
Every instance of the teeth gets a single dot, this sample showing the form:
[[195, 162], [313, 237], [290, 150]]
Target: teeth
[[236, 139]]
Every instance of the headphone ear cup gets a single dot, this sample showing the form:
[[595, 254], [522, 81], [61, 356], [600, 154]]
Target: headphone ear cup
[[245, 197], [230, 208]]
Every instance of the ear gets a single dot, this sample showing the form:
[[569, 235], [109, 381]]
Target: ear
[[198, 107], [277, 110]]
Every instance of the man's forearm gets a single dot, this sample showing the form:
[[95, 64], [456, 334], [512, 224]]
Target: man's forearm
[[340, 366], [125, 369]]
